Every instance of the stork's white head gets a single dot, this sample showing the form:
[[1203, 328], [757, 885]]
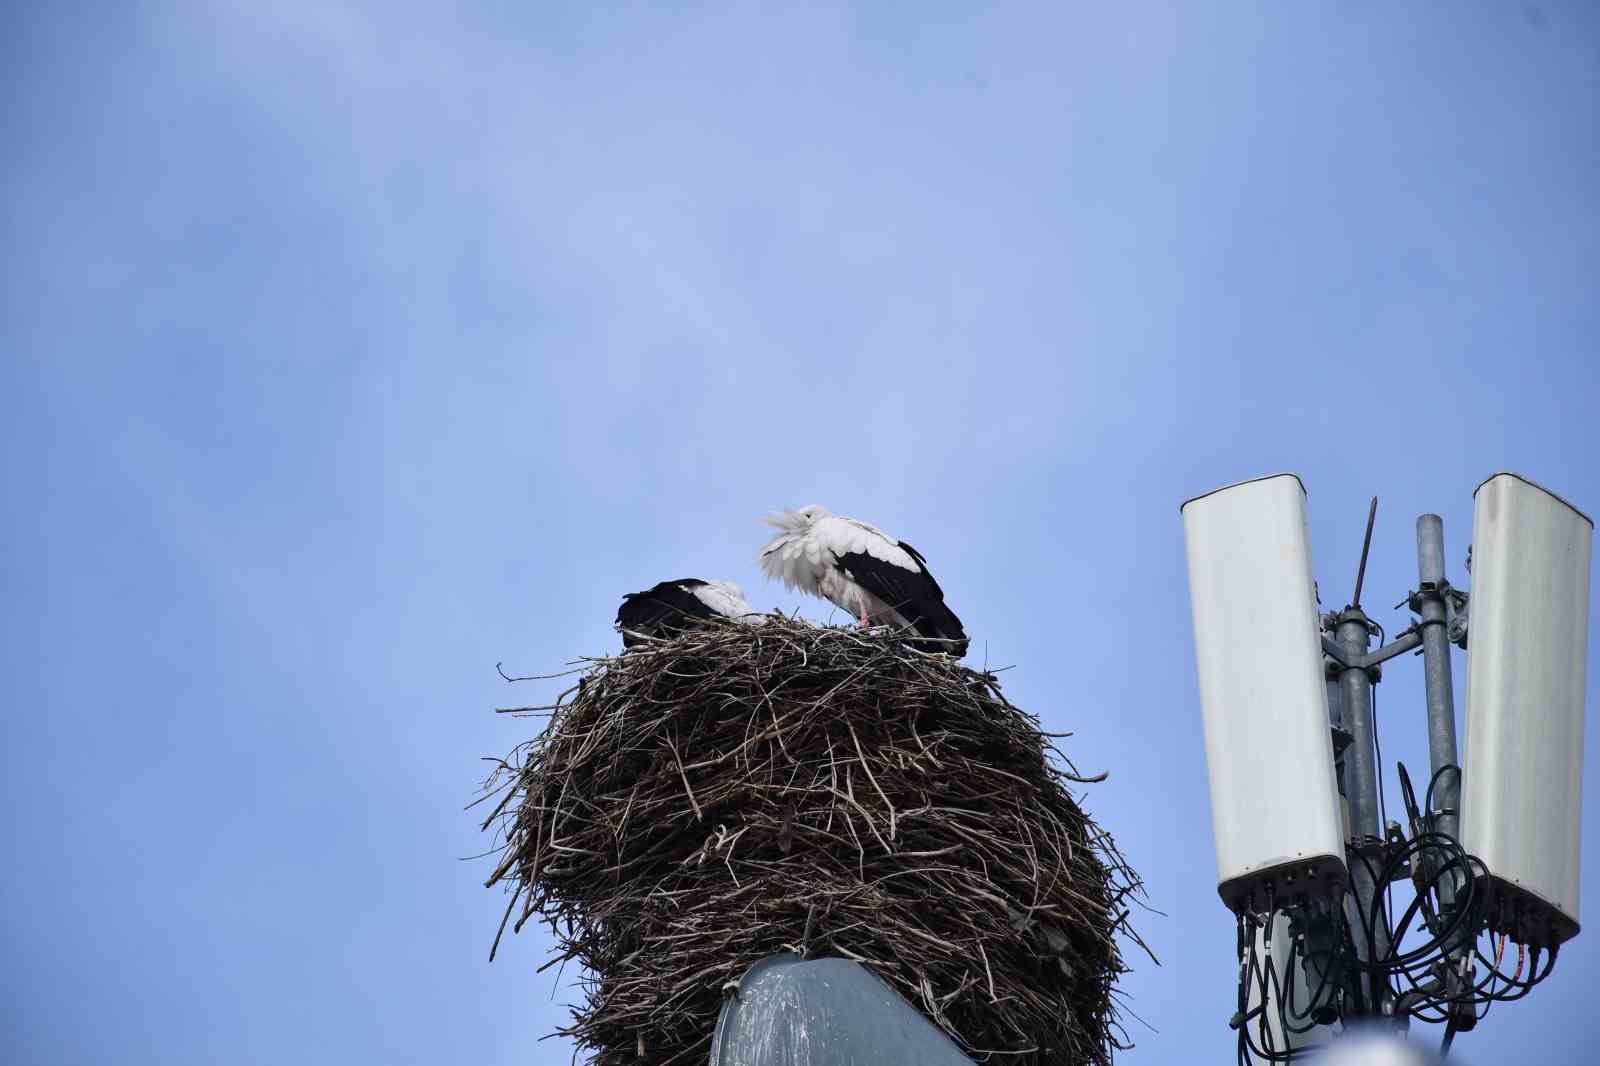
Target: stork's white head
[[727, 599], [798, 520], [785, 556]]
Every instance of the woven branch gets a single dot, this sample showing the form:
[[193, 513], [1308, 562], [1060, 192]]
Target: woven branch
[[703, 801]]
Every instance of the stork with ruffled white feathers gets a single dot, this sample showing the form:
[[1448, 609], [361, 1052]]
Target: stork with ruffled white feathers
[[879, 579], [675, 606]]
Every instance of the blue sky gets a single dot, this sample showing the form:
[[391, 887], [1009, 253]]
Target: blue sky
[[352, 348]]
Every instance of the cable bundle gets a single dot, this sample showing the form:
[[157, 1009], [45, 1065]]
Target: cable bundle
[[1427, 961]]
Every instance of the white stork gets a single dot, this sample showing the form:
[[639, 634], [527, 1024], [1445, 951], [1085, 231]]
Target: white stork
[[863, 570], [674, 606]]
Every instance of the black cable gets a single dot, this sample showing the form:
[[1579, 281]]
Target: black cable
[[1272, 980], [1434, 782], [1383, 803], [1331, 969], [1519, 987], [1428, 992], [1257, 975]]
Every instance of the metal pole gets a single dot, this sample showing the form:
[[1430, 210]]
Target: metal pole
[[1431, 608], [1361, 790], [1436, 670], [1361, 775]]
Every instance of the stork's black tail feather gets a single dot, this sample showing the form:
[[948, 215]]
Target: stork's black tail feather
[[939, 623]]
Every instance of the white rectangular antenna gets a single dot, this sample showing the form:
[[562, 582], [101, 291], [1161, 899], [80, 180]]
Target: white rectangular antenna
[[1258, 648], [1527, 639]]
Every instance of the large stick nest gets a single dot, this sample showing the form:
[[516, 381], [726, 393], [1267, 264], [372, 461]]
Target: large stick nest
[[703, 801]]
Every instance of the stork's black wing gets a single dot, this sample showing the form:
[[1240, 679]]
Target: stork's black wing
[[913, 593], [669, 606]]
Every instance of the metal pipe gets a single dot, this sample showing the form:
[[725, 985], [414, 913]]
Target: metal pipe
[[1440, 688], [1398, 646], [1361, 790], [1335, 651], [1436, 669], [1361, 779]]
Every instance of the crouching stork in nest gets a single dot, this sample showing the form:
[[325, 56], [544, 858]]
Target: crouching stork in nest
[[675, 606]]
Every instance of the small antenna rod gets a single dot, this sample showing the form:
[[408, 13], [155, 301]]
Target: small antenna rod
[[1366, 546]]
